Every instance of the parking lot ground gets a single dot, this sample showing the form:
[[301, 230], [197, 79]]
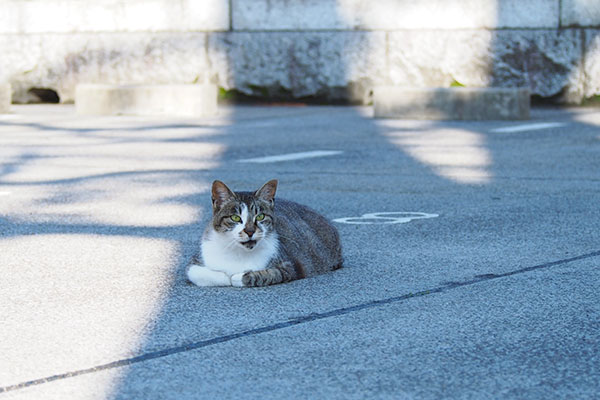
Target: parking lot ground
[[472, 256]]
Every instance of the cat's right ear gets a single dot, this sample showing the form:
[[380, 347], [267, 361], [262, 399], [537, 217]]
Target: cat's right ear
[[221, 194]]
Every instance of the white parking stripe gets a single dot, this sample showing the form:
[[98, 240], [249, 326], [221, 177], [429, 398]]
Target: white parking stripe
[[529, 127], [292, 156]]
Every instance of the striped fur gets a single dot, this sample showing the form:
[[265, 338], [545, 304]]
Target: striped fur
[[273, 240]]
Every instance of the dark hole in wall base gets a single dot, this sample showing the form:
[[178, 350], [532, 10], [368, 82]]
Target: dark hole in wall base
[[539, 101], [562, 99], [42, 95]]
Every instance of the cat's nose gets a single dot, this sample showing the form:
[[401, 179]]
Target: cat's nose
[[249, 232]]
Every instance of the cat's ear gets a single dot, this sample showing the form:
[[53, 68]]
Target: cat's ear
[[220, 194], [267, 191]]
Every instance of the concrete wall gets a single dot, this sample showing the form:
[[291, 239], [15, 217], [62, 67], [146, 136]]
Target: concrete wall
[[297, 48]]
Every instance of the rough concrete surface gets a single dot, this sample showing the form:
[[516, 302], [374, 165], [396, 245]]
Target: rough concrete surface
[[496, 297], [61, 62], [451, 103], [583, 13], [5, 97], [591, 65], [328, 63], [393, 14], [172, 100], [547, 62], [70, 16], [301, 64], [335, 49]]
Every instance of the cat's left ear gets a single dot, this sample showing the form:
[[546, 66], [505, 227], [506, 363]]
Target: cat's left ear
[[267, 191]]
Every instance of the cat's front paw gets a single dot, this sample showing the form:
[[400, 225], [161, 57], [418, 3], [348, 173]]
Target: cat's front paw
[[237, 280], [202, 276]]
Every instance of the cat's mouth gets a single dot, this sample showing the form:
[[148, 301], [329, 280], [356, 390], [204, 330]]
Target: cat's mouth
[[250, 244]]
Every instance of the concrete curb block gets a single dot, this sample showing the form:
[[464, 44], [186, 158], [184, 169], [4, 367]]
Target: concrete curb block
[[179, 100], [451, 103], [5, 98]]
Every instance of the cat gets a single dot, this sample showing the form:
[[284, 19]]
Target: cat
[[257, 240]]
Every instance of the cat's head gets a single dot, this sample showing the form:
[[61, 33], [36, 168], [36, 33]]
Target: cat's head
[[246, 217]]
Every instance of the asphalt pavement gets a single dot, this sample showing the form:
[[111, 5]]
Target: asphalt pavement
[[472, 257]]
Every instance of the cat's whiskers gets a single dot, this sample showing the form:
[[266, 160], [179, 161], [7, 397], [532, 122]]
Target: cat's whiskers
[[231, 244], [258, 235]]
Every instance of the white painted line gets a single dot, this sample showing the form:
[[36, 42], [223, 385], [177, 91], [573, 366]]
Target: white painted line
[[4, 193], [292, 156], [261, 124], [394, 217], [529, 127]]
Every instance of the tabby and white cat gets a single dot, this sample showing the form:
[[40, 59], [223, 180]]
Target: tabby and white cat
[[255, 240]]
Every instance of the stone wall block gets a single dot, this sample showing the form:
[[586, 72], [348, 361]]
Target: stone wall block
[[591, 64], [393, 14], [455, 103], [5, 97], [76, 16], [297, 63], [440, 58], [181, 100], [60, 62], [548, 62], [582, 13]]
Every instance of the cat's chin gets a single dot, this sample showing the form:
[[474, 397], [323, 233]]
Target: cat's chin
[[249, 245]]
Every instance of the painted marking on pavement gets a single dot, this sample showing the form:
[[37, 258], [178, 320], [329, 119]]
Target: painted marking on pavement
[[292, 156], [4, 193], [529, 127], [394, 217]]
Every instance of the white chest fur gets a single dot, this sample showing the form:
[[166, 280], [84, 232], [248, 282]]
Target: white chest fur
[[219, 253]]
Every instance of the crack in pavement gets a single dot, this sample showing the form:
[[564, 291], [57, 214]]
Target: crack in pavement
[[295, 321]]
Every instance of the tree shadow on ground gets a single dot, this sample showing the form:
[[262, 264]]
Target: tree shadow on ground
[[386, 166]]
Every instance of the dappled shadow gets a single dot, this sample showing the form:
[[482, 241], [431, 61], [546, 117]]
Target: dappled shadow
[[146, 260], [126, 203], [147, 127], [84, 211]]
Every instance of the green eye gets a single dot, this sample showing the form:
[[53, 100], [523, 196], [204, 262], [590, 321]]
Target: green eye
[[260, 217], [236, 218]]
